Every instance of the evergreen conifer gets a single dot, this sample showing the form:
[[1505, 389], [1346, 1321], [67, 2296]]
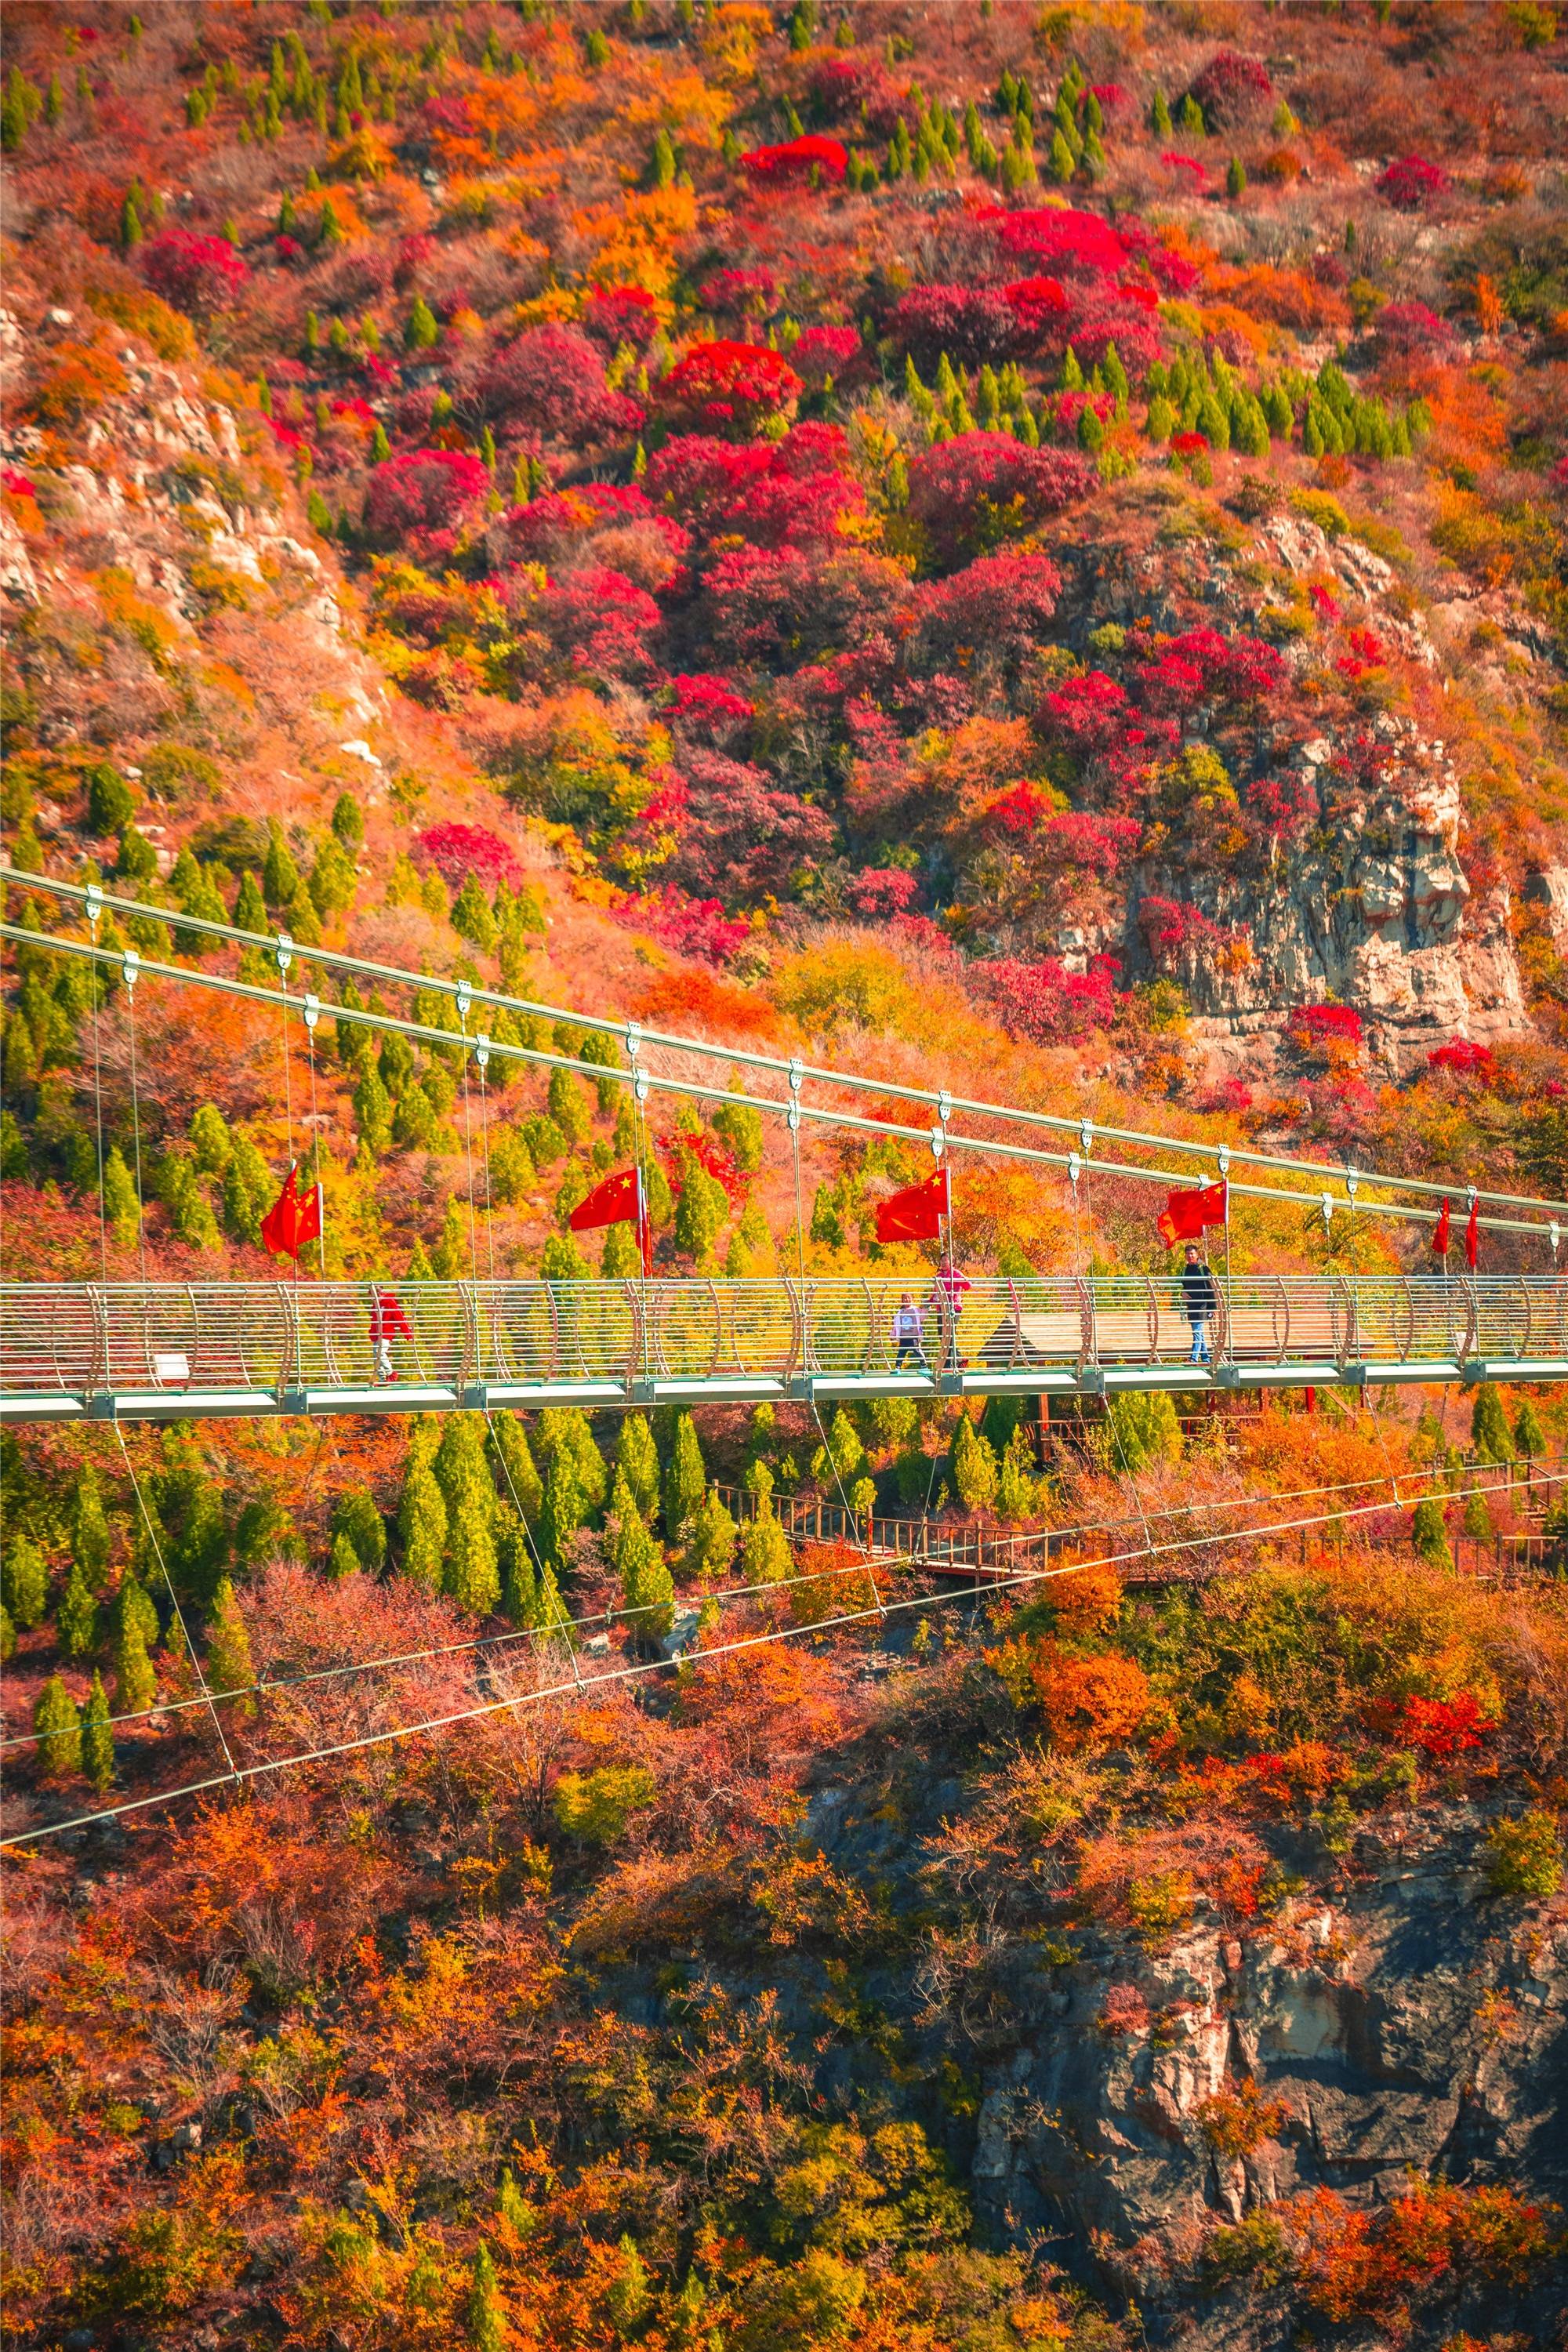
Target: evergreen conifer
[[97, 1738], [685, 1478], [57, 1725]]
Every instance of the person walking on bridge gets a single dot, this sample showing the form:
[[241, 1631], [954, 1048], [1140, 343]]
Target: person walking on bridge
[[909, 1334], [1200, 1301]]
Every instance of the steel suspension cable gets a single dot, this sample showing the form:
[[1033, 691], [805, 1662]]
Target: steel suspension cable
[[984, 1145], [94, 916], [131, 966], [248, 1772], [864, 1083], [151, 1527]]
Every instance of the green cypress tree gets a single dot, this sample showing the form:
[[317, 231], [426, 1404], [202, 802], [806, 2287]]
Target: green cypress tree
[[251, 907], [1489, 1437], [422, 331], [341, 1559], [973, 1467], [1160, 116], [1528, 1437], [1191, 116], [24, 1581], [473, 1568], [76, 1615], [280, 875], [133, 1606], [637, 1460], [1015, 1499], [356, 1517], [592, 1470], [7, 1635], [135, 1684], [710, 1544], [519, 1480], [484, 2314], [89, 1536], [1430, 1535], [57, 1726], [764, 1550], [620, 1259], [647, 1588], [97, 1738], [1235, 177], [120, 1206], [422, 1527], [564, 1507], [685, 1479], [520, 1586]]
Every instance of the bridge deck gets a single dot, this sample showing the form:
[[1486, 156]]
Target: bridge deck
[[165, 1352]]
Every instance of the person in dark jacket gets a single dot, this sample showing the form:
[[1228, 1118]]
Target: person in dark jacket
[[1200, 1300]]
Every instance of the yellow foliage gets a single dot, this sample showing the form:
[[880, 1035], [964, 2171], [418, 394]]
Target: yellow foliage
[[685, 104], [556, 303], [638, 242], [732, 33]]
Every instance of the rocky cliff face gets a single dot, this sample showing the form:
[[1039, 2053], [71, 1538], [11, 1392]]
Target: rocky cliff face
[[1396, 2020], [1368, 903]]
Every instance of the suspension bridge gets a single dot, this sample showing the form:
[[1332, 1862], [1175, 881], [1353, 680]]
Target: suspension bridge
[[149, 1349], [179, 1351]]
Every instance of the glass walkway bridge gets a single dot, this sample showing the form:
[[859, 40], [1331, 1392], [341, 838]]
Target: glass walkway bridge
[[172, 1351]]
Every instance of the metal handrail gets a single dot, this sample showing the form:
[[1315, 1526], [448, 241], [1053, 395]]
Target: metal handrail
[[98, 1340]]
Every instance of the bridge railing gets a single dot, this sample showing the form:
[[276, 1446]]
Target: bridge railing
[[223, 1337]]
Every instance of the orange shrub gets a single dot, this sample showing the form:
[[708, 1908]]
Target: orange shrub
[[1087, 1702]]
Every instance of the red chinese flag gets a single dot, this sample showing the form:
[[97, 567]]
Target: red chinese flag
[[916, 1213], [616, 1201], [1187, 1213], [290, 1223], [280, 1225], [1440, 1232], [1472, 1236]]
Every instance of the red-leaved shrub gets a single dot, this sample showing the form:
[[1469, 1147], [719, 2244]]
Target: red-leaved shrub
[[195, 273]]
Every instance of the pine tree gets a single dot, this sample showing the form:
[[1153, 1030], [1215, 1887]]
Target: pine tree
[[685, 1478], [519, 1479], [473, 1570], [1528, 1437], [357, 1518], [973, 1467], [647, 1586], [1191, 116], [1235, 177], [24, 1581], [57, 1726], [1476, 1519], [1160, 116], [97, 1738], [76, 1616], [120, 1206], [1489, 1437], [341, 1559], [422, 1527], [564, 1507], [280, 875], [621, 1259], [710, 1544], [1430, 1535], [520, 1586], [422, 331], [637, 1460], [1014, 1486], [483, 2313], [764, 1550], [133, 1606], [135, 1684], [89, 1536]]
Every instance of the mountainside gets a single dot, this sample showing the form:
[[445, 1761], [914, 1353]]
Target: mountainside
[[1015, 550]]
